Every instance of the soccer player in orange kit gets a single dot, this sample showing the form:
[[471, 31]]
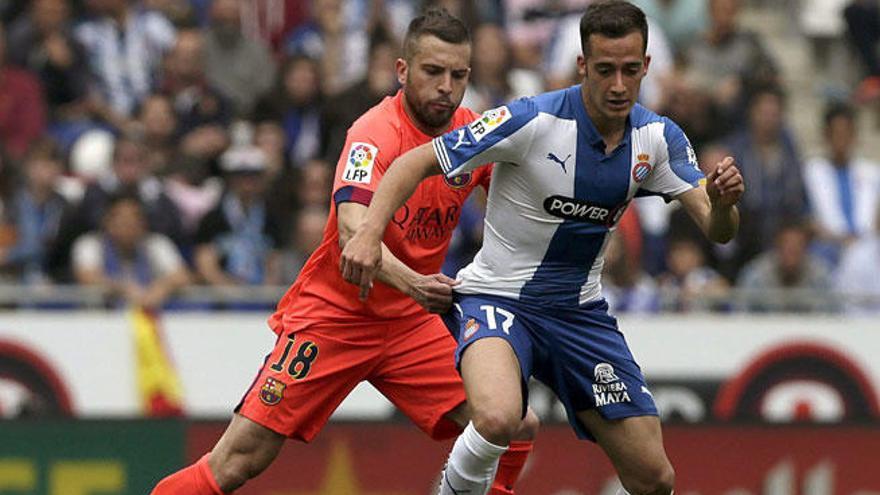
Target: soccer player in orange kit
[[330, 336]]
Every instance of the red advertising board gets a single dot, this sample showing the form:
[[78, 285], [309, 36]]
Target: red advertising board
[[396, 459]]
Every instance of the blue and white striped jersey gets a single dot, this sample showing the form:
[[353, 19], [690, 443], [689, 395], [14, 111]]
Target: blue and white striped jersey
[[555, 194]]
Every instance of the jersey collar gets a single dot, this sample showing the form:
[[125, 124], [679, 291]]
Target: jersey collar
[[585, 123]]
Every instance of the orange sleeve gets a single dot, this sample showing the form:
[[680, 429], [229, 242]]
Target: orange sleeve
[[370, 147]]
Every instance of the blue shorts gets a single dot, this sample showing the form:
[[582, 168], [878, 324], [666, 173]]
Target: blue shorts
[[579, 353]]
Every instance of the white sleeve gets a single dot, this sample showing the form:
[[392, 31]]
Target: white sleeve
[[503, 134]]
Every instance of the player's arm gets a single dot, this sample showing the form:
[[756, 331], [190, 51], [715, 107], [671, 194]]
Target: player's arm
[[362, 255], [713, 205], [433, 292]]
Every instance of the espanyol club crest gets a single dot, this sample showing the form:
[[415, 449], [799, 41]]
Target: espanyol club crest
[[272, 391], [458, 181], [470, 328], [642, 169]]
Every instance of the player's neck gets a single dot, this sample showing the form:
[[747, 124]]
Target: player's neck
[[611, 129], [421, 126]]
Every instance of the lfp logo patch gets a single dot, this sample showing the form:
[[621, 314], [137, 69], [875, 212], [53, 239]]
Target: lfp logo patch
[[489, 121], [642, 169], [359, 166], [272, 391]]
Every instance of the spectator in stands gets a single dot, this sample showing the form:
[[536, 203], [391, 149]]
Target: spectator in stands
[[340, 49], [240, 68], [380, 81], [295, 105], [770, 163], [306, 235], [626, 287], [857, 277], [688, 283], [36, 213], [178, 12], [843, 189], [788, 266], [202, 112], [237, 240], [863, 26], [822, 23], [270, 20], [22, 108], [314, 184], [126, 260], [124, 46], [681, 20], [157, 124], [494, 81], [729, 58], [532, 24], [693, 108], [270, 138], [193, 191], [43, 42], [130, 175]]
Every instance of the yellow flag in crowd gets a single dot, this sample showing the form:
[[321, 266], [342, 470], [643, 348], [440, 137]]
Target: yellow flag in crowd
[[158, 382]]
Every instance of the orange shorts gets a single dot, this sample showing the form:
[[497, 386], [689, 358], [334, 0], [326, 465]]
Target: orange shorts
[[315, 365]]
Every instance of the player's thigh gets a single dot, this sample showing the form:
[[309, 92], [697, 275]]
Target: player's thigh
[[492, 379], [311, 369], [495, 357], [417, 374], [635, 447]]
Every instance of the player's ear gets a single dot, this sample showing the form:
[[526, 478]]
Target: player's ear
[[647, 63], [582, 66], [402, 69]]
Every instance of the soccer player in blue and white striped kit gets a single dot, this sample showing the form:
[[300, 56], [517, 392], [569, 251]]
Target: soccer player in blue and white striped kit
[[568, 164]]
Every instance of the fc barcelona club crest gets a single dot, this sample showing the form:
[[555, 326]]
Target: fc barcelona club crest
[[458, 181], [272, 391]]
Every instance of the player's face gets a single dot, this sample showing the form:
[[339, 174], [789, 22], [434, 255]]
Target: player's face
[[613, 72], [434, 80]]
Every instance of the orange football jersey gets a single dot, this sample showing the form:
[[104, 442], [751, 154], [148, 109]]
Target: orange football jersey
[[418, 235]]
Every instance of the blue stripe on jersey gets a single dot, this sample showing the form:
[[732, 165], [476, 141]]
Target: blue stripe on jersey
[[682, 159], [460, 145], [599, 178]]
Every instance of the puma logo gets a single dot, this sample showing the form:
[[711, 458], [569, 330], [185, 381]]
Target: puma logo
[[551, 156], [461, 139]]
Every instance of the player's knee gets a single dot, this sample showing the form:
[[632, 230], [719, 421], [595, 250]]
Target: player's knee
[[659, 480], [528, 429], [497, 427]]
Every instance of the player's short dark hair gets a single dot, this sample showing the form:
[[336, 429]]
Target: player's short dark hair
[[435, 22], [839, 110], [612, 19]]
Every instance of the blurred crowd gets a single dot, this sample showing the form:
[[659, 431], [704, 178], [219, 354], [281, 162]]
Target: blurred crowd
[[153, 145]]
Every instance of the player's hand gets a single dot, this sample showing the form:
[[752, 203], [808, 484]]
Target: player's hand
[[433, 292], [724, 183], [360, 261]]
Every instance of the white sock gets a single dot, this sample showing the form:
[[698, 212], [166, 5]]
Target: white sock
[[471, 466]]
